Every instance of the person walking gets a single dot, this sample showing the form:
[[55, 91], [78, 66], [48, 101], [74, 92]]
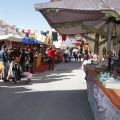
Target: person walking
[[4, 59], [66, 55], [86, 54], [51, 55], [75, 54], [31, 60]]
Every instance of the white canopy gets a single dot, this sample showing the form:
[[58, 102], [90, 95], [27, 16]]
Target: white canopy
[[11, 37]]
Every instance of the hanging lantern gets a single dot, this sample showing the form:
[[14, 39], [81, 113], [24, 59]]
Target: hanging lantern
[[17, 29]]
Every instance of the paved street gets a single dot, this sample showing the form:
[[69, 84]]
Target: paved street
[[52, 95]]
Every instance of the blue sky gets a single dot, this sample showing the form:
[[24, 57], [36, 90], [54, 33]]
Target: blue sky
[[22, 14]]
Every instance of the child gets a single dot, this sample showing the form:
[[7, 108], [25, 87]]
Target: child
[[16, 73]]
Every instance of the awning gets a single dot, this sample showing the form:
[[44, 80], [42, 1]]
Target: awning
[[11, 37], [30, 41], [74, 11]]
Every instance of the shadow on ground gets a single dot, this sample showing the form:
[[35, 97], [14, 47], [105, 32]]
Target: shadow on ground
[[45, 105], [62, 71]]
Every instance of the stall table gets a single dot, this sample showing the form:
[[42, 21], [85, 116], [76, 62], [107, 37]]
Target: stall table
[[105, 103], [37, 61]]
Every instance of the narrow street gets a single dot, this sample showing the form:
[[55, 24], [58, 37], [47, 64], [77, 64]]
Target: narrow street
[[52, 95]]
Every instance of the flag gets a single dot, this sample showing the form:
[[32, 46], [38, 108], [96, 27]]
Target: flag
[[17, 29], [64, 37], [41, 32], [23, 31], [54, 36], [12, 28], [27, 34], [29, 31]]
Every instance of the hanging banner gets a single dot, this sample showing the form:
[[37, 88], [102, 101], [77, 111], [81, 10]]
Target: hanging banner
[[64, 37], [54, 36], [17, 29]]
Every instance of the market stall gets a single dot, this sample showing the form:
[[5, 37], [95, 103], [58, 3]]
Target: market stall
[[103, 98], [9, 41], [30, 43]]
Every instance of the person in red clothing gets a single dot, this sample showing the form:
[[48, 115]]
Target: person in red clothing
[[51, 55]]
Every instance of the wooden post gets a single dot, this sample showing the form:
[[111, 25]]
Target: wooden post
[[96, 47], [110, 28]]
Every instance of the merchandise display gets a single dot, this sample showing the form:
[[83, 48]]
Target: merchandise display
[[108, 80], [103, 93]]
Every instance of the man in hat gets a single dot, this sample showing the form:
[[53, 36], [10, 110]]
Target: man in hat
[[4, 59]]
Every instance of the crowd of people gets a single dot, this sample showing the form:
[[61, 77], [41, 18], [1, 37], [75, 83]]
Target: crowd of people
[[77, 54], [7, 58], [26, 57]]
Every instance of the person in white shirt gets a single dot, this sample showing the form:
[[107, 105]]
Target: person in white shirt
[[75, 54], [66, 54]]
